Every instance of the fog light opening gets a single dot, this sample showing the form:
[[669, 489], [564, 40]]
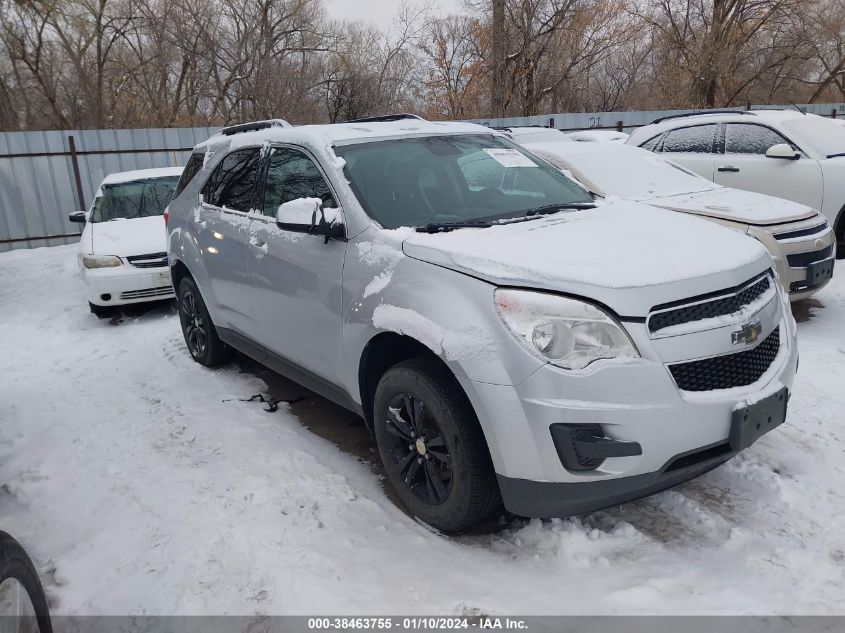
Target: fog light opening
[[105, 296]]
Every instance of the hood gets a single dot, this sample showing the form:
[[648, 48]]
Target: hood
[[626, 255], [138, 236], [736, 205]]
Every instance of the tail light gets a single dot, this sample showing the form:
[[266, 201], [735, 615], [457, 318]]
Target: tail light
[[166, 215]]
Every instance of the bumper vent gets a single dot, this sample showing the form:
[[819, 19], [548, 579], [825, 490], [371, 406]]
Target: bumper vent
[[147, 293], [151, 260], [802, 260], [731, 370], [719, 306]]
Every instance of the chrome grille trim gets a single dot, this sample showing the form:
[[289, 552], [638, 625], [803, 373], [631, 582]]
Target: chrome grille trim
[[720, 303]]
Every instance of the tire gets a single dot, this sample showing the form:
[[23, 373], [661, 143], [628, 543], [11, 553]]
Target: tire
[[437, 460], [15, 565], [839, 232], [204, 345], [101, 312]]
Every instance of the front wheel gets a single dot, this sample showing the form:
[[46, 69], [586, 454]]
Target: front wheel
[[432, 447], [22, 601], [200, 335]]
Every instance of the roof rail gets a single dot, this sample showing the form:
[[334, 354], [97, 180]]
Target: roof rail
[[699, 113], [385, 117], [252, 126]]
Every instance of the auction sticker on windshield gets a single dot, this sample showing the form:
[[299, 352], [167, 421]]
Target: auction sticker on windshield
[[510, 158]]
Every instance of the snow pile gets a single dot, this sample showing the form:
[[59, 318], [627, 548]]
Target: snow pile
[[141, 485], [385, 257]]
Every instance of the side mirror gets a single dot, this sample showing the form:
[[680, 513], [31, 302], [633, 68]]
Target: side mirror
[[77, 216], [783, 151], [307, 215]]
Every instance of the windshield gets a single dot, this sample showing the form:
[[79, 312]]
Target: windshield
[[417, 181], [823, 136], [627, 172], [136, 199]]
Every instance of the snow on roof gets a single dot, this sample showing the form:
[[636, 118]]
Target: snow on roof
[[339, 133], [536, 135], [141, 174]]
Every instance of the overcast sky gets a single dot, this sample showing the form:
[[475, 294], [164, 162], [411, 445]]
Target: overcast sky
[[379, 12]]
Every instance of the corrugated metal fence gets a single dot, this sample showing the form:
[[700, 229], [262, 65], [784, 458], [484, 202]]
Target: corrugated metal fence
[[46, 175]]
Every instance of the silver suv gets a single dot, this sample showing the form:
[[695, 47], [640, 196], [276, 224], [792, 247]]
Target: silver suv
[[522, 346]]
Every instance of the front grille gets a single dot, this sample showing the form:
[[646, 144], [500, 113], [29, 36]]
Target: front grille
[[147, 293], [151, 260], [730, 370], [802, 260], [720, 306], [789, 235]]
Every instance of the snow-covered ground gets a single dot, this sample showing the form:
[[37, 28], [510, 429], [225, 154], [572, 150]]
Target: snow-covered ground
[[140, 484]]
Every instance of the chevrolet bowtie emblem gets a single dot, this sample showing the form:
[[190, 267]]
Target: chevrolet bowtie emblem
[[749, 333]]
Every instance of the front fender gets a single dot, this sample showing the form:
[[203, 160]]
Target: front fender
[[451, 313]]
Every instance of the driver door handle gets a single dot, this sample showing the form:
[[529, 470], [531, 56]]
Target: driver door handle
[[258, 246], [729, 168]]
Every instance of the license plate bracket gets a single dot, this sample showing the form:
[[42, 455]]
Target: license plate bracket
[[748, 424], [819, 272]]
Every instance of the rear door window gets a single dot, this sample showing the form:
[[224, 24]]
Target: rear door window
[[232, 183], [747, 138], [697, 139]]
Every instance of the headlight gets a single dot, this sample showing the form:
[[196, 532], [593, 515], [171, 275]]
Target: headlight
[[565, 332], [101, 261]]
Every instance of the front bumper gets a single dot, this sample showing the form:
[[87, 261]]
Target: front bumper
[[635, 401], [792, 256], [126, 284]]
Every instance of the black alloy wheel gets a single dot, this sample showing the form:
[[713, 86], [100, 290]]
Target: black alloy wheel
[[194, 324], [419, 448]]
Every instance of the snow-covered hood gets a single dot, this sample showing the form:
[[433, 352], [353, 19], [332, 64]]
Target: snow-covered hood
[[138, 236], [624, 254], [736, 205]]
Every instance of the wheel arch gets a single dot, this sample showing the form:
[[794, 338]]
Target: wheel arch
[[383, 351], [839, 231], [178, 271]]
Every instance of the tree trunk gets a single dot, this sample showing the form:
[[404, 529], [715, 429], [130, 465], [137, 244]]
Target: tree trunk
[[497, 91]]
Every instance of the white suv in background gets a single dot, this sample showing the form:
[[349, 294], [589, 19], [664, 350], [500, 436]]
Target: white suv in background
[[123, 247], [783, 153]]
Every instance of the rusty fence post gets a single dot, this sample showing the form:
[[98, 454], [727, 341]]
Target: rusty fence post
[[74, 162]]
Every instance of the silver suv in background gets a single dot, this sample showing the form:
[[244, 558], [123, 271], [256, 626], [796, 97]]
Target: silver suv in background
[[525, 346]]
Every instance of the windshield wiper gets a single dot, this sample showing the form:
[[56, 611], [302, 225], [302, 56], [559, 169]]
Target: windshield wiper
[[554, 208], [837, 155], [442, 227]]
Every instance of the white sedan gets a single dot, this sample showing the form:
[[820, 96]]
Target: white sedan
[[793, 233], [782, 153], [123, 248]]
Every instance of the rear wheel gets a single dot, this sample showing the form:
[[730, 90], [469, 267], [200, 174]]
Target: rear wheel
[[433, 448], [200, 336], [21, 595]]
